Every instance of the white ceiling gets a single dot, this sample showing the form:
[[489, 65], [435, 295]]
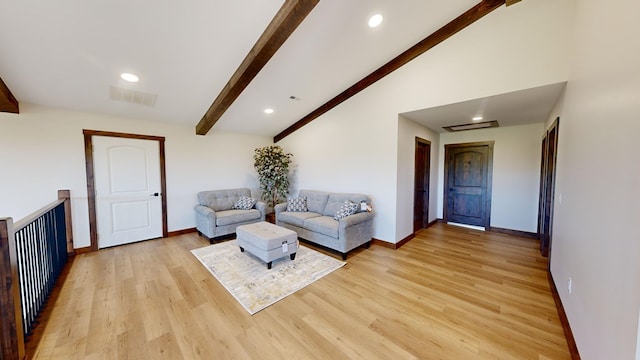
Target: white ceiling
[[515, 108], [68, 53]]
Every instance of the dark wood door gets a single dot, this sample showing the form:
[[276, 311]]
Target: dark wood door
[[421, 184], [468, 183], [547, 187]]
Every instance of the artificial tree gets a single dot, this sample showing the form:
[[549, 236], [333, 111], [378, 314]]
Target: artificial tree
[[272, 165]]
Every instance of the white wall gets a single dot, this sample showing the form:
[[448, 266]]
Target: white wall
[[44, 150], [516, 173], [407, 132], [596, 238], [511, 49]]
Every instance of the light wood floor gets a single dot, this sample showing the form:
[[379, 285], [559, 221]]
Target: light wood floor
[[450, 293]]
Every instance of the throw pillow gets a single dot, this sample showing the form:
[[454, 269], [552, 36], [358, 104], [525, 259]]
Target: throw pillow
[[348, 208], [244, 203], [298, 204]]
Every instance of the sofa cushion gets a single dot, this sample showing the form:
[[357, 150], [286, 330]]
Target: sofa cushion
[[325, 225], [336, 200], [348, 208], [316, 200], [227, 217], [221, 199], [244, 203], [296, 218], [297, 204]]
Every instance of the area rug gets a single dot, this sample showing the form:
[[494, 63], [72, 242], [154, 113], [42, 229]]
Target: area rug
[[246, 277]]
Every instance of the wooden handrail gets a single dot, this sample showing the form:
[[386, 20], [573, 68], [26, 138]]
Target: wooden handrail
[[17, 226], [11, 331]]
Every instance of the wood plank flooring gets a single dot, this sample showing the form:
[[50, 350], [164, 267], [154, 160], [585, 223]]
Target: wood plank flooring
[[449, 293]]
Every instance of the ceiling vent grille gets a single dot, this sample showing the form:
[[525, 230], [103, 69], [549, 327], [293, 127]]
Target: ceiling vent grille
[[472, 126], [132, 96]]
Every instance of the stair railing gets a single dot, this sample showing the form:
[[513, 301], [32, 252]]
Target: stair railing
[[33, 253]]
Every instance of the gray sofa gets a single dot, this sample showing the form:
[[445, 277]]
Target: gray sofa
[[216, 217], [317, 224]]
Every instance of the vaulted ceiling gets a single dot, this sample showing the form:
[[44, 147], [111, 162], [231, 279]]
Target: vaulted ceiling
[[70, 54]]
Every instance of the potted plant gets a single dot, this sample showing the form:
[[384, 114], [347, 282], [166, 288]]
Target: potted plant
[[272, 165]]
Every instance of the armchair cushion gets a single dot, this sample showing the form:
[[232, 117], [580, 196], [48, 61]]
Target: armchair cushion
[[316, 200], [228, 217], [296, 218], [322, 224]]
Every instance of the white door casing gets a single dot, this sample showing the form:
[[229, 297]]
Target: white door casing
[[127, 179]]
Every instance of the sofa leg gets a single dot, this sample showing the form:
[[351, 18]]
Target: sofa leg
[[344, 256], [241, 249], [292, 256], [367, 244], [269, 265]]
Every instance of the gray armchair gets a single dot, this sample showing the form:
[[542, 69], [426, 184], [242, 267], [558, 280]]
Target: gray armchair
[[216, 216]]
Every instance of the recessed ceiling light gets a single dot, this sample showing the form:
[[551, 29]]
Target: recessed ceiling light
[[268, 111], [375, 20], [477, 118], [129, 77]]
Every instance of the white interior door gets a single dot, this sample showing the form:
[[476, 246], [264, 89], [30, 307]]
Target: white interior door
[[127, 184]]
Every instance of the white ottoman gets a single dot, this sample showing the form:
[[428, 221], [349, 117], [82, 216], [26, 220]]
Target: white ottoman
[[267, 241]]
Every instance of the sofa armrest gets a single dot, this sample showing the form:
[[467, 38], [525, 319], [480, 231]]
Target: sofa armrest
[[205, 211], [280, 208], [355, 219], [205, 220], [262, 207]]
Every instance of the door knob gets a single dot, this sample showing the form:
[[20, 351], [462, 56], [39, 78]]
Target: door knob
[[155, 194]]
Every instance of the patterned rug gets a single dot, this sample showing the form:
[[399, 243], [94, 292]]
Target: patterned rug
[[246, 277]]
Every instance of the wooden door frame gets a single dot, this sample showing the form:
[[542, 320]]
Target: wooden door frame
[[418, 142], [489, 144], [91, 186], [541, 193], [547, 191]]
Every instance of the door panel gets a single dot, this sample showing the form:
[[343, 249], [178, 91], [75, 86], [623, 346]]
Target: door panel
[[468, 205], [469, 168], [127, 183], [121, 220], [421, 184], [468, 183]]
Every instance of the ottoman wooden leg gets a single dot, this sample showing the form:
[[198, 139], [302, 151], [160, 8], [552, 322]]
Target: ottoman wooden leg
[[292, 256], [269, 265]]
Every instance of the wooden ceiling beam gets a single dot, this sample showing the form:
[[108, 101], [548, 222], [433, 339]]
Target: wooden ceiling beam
[[288, 18], [8, 102], [467, 18]]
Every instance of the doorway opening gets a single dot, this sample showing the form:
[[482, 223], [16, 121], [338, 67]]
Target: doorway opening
[[547, 187], [422, 171]]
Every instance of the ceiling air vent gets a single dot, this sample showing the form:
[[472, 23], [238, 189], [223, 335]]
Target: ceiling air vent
[[472, 126], [132, 96]]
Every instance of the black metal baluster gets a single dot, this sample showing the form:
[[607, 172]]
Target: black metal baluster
[[42, 253]]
